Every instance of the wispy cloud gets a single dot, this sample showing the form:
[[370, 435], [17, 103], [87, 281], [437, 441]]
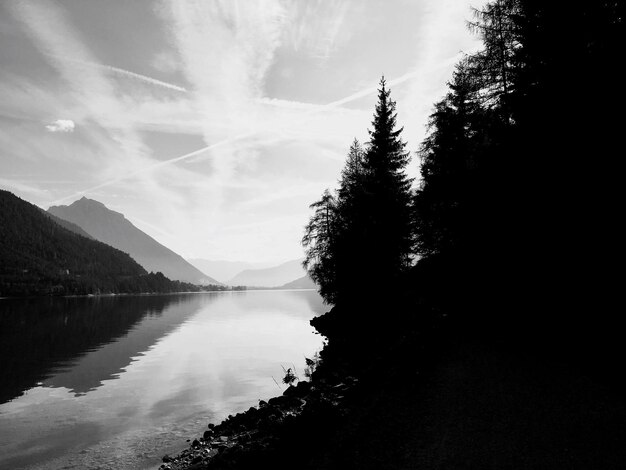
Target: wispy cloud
[[315, 25], [16, 185], [55, 37], [309, 111], [147, 169]]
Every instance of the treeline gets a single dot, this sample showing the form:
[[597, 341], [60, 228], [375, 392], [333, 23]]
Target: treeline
[[40, 257], [513, 225]]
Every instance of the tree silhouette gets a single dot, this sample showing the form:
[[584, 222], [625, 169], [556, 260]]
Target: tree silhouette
[[519, 190], [319, 243], [365, 231], [387, 194]]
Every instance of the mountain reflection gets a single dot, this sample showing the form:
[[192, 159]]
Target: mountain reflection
[[77, 343], [111, 382]]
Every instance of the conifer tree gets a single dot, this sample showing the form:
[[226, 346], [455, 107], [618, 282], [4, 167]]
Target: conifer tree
[[319, 243], [450, 154], [387, 192], [367, 234]]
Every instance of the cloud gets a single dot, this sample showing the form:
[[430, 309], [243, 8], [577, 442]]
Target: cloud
[[19, 186], [165, 61], [61, 125], [315, 25], [226, 48]]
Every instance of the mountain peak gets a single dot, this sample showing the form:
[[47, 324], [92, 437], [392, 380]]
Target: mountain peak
[[85, 201]]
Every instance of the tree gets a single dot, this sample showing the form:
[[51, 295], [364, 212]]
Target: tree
[[495, 66], [319, 243], [387, 234], [364, 233]]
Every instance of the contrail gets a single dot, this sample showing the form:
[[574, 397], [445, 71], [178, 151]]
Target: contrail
[[353, 97], [368, 91], [155, 165], [123, 72], [334, 104]]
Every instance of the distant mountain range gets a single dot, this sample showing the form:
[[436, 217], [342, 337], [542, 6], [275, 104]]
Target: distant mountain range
[[270, 277], [114, 229], [305, 282], [41, 255], [222, 270]]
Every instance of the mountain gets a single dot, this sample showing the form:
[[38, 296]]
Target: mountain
[[305, 282], [39, 256], [114, 229], [223, 270], [68, 225], [270, 277]]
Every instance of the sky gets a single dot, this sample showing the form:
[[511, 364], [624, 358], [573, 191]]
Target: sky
[[212, 125]]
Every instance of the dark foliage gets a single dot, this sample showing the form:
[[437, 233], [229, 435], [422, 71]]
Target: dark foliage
[[518, 199]]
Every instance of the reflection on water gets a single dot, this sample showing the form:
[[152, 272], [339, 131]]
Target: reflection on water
[[116, 381]]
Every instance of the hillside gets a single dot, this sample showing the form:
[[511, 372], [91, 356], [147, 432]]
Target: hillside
[[39, 256], [114, 229], [270, 277], [68, 225], [305, 282]]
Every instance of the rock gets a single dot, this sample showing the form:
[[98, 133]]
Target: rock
[[195, 444], [207, 435], [276, 401], [166, 458], [285, 401], [211, 426], [300, 390], [303, 388], [262, 403]]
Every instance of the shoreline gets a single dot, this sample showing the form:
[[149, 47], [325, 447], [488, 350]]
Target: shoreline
[[145, 294]]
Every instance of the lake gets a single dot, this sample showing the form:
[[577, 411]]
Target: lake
[[117, 382]]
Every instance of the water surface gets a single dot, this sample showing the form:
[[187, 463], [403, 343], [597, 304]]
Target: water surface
[[116, 382]]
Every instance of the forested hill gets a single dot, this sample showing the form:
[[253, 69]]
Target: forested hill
[[39, 256]]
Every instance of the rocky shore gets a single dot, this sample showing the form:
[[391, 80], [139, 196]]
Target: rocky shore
[[265, 433], [285, 430]]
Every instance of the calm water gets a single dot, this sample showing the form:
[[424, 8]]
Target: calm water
[[117, 382]]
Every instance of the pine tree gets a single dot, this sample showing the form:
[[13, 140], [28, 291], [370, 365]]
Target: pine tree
[[450, 155], [363, 235], [387, 194]]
